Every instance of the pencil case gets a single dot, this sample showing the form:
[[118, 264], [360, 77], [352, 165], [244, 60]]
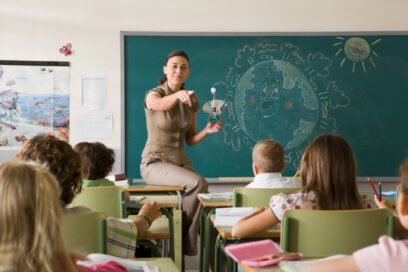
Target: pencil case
[[260, 253]]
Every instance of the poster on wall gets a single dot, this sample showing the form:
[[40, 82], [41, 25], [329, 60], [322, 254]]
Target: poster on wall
[[34, 100]]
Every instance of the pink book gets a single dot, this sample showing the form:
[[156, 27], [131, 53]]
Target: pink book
[[259, 253]]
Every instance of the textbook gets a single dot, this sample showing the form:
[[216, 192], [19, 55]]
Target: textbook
[[228, 217], [131, 265], [217, 196]]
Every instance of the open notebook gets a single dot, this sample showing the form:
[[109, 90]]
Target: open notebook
[[297, 266], [228, 217]]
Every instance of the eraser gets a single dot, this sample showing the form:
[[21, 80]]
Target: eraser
[[213, 90]]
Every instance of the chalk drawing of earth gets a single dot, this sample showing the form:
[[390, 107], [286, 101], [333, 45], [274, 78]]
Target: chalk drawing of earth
[[275, 100]]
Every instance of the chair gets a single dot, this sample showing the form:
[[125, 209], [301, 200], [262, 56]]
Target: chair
[[256, 197], [85, 232], [317, 233], [107, 199]]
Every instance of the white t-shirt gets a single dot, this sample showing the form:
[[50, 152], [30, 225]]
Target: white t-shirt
[[273, 180], [387, 255]]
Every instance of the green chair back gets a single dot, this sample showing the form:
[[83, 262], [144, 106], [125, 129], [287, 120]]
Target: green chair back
[[318, 233], [256, 197], [107, 199], [85, 232]]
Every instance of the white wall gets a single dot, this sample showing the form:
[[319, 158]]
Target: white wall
[[35, 30]]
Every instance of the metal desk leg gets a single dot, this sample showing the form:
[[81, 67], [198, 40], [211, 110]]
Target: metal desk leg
[[207, 241], [177, 223], [217, 254], [202, 219]]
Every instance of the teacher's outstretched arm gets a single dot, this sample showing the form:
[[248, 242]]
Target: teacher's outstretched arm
[[193, 137], [167, 102]]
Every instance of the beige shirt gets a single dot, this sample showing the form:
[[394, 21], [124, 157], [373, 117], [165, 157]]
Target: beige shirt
[[166, 130]]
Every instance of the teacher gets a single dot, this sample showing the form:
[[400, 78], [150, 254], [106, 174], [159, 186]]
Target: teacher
[[171, 113]]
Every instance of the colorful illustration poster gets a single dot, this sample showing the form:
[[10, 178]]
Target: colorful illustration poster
[[34, 100]]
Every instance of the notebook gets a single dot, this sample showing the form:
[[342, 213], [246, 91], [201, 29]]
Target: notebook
[[228, 217]]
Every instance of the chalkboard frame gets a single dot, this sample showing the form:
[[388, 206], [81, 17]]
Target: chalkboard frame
[[124, 34]]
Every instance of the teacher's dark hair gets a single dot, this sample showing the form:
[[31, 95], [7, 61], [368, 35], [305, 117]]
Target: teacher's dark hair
[[175, 53]]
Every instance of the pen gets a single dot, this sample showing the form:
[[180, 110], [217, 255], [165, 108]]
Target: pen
[[297, 173], [131, 204], [372, 186], [379, 189]]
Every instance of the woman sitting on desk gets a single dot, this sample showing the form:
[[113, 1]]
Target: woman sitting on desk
[[171, 112]]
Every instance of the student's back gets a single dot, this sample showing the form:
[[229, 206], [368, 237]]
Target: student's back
[[268, 163], [328, 173], [388, 254], [97, 163]]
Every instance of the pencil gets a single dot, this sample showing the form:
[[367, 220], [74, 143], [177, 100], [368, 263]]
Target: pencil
[[297, 173], [379, 189], [372, 186]]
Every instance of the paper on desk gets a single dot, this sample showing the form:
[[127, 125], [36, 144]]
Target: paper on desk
[[93, 127], [297, 266], [227, 195], [228, 217]]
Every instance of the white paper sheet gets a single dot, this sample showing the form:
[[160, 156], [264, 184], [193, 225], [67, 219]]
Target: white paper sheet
[[94, 127], [228, 217], [93, 91]]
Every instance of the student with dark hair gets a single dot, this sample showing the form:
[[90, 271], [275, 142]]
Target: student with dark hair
[[388, 254], [97, 162]]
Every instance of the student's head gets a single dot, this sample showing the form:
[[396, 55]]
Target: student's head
[[268, 156], [31, 220], [97, 159], [176, 68], [60, 159], [403, 197], [328, 168]]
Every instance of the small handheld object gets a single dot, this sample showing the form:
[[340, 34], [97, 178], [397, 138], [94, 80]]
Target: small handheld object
[[372, 186], [131, 205], [379, 189], [214, 107]]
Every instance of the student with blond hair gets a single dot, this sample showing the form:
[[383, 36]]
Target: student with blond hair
[[31, 223], [268, 163]]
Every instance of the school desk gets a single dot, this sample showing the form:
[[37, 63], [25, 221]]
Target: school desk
[[225, 237], [208, 207], [169, 199], [141, 188]]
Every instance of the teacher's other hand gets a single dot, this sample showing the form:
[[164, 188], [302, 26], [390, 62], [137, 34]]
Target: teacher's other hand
[[213, 127], [186, 97]]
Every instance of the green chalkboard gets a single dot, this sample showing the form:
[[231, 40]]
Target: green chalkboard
[[288, 88]]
